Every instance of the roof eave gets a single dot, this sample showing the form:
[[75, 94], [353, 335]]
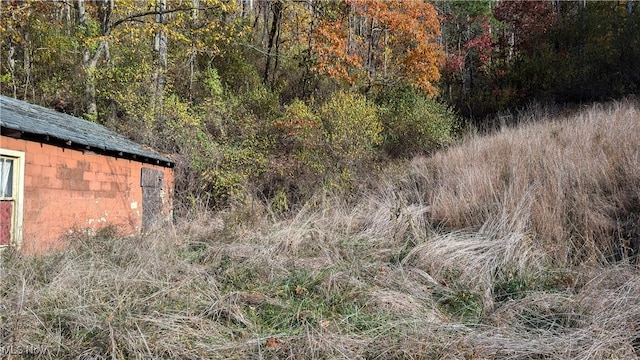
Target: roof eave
[[69, 144]]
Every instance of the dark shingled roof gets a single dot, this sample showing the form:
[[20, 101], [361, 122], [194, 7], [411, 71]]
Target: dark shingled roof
[[53, 126]]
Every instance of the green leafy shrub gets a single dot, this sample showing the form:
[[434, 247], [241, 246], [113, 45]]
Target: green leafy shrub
[[300, 135], [413, 123], [216, 168], [323, 146], [351, 128], [298, 158]]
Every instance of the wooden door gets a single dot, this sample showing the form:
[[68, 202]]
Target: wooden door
[[152, 182]]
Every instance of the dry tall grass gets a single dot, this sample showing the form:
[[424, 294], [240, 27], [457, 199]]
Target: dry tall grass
[[500, 248], [573, 183]]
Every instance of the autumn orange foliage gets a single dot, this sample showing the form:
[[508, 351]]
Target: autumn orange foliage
[[381, 42]]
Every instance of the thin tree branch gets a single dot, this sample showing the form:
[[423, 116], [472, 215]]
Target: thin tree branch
[[136, 17]]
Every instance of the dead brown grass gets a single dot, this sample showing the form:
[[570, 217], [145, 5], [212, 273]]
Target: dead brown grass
[[573, 183], [504, 247]]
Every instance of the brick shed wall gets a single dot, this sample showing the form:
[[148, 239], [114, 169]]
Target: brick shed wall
[[67, 190]]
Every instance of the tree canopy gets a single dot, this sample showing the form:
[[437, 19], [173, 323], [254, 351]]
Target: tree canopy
[[247, 90]]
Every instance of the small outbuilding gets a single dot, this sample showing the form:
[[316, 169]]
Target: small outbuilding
[[60, 174]]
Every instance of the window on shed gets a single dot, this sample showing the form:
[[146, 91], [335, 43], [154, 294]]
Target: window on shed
[[11, 177], [6, 177]]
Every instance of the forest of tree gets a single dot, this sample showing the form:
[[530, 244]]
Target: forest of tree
[[283, 96]]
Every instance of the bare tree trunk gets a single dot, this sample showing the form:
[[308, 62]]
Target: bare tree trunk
[[277, 52], [26, 63], [370, 50], [89, 60], [160, 49], [192, 56], [11, 63], [247, 8], [89, 72], [63, 15], [275, 25], [384, 65], [266, 8], [82, 12], [307, 76]]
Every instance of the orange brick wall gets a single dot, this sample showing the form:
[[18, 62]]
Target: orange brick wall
[[67, 190]]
